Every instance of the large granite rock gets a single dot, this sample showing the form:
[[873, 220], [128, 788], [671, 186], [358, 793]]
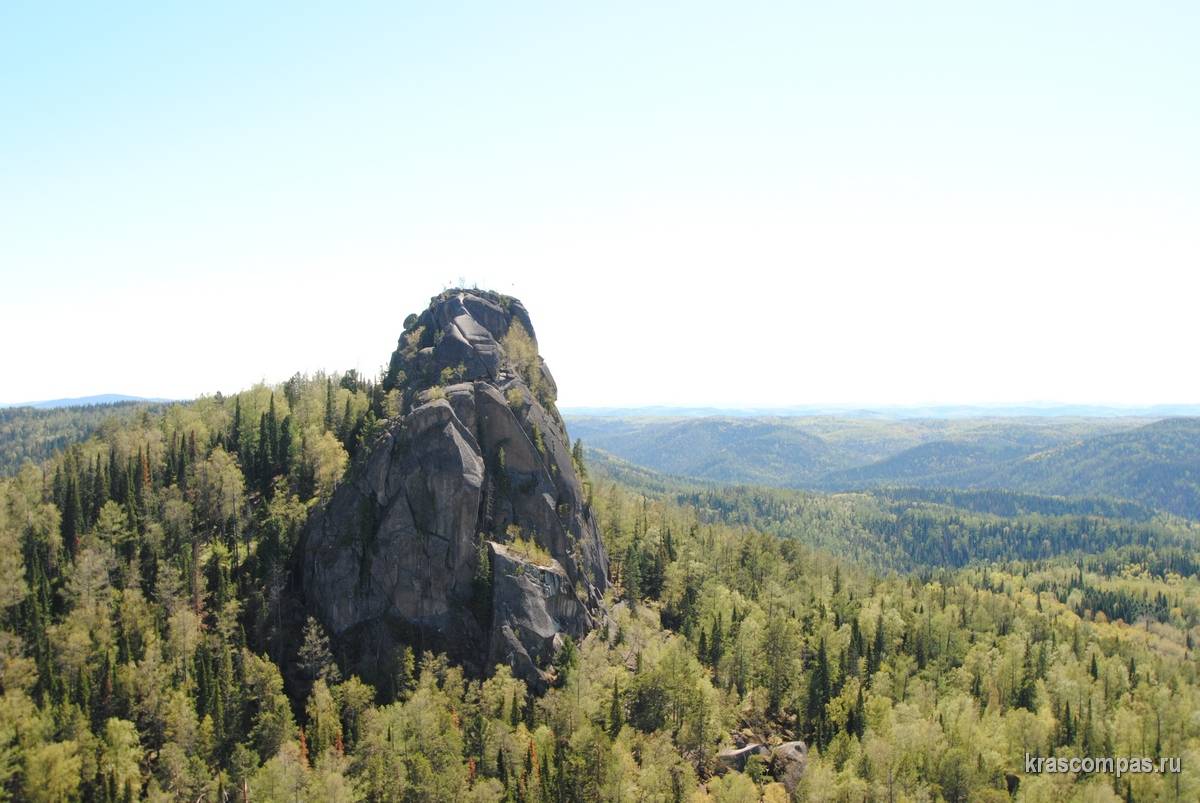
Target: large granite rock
[[788, 762], [477, 467]]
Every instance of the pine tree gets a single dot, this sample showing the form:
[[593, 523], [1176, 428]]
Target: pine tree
[[1067, 727], [99, 489], [346, 428], [406, 672], [284, 457], [715, 645], [262, 456], [72, 519], [181, 473], [146, 476], [631, 572], [316, 659], [616, 715], [115, 476], [1026, 691], [272, 435], [818, 695], [329, 414], [880, 639], [306, 479], [235, 431], [860, 715], [854, 650], [481, 584]]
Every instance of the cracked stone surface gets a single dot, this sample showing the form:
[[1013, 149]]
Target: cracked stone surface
[[479, 457]]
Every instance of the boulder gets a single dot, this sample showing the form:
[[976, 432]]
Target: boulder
[[788, 761]]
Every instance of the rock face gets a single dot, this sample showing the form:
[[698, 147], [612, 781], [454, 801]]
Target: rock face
[[464, 527]]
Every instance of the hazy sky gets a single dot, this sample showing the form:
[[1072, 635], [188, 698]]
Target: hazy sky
[[726, 204]]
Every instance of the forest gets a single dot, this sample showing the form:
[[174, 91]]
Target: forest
[[921, 643], [29, 434], [1146, 461]]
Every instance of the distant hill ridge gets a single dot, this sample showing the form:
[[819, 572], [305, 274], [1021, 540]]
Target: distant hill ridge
[[1153, 463], [85, 401], [33, 434], [940, 411]]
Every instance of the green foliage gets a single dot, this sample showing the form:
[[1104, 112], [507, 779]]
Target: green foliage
[[1130, 463], [481, 584], [315, 657], [324, 728], [146, 628], [31, 435], [522, 353], [526, 548], [897, 533], [452, 374], [52, 772]]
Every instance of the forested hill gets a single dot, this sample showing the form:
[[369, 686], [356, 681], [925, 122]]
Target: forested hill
[[85, 401], [1157, 465], [918, 529], [1152, 463], [34, 434], [152, 645]]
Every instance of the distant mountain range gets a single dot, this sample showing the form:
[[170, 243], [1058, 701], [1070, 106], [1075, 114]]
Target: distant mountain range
[[1152, 462], [83, 401], [1026, 410]]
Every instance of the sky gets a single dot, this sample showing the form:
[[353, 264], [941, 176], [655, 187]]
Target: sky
[[734, 204]]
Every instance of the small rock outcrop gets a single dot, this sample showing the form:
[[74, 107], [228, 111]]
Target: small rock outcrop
[[735, 758], [786, 761], [464, 527]]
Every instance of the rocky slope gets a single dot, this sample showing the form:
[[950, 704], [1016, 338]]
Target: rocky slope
[[465, 527]]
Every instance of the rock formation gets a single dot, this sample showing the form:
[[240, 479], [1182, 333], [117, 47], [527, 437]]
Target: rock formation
[[464, 527], [786, 762]]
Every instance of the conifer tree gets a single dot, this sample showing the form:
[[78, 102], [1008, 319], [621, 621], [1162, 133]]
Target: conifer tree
[[284, 457], [616, 714], [329, 412], [315, 656], [346, 429], [272, 434], [818, 694], [715, 645], [880, 644], [235, 430], [631, 572]]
